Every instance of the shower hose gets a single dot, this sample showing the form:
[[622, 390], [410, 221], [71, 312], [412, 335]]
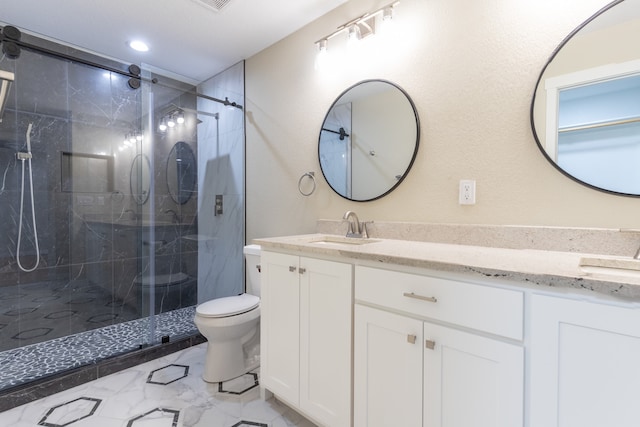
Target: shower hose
[[22, 157]]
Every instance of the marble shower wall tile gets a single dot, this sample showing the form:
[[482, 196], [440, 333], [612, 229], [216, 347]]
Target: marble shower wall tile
[[221, 172]]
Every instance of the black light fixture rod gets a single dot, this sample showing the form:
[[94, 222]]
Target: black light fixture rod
[[53, 53]]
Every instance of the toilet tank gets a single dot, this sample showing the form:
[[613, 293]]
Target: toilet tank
[[252, 263]]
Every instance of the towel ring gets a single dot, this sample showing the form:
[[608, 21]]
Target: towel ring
[[313, 179]]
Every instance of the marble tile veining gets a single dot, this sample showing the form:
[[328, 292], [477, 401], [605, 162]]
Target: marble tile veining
[[128, 399]]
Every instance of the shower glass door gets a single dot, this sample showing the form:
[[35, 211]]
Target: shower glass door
[[93, 259]]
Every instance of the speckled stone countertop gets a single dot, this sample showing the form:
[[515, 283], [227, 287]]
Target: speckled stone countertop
[[528, 266]]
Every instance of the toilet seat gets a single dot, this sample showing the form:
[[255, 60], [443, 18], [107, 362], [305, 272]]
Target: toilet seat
[[228, 306], [162, 279]]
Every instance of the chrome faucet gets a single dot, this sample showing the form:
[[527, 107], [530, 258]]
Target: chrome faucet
[[356, 228]]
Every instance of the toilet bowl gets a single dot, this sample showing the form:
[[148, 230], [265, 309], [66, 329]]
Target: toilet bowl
[[231, 327]]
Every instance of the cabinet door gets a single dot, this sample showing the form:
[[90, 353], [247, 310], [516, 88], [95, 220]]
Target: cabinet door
[[470, 380], [584, 364], [280, 325], [387, 369], [325, 341]]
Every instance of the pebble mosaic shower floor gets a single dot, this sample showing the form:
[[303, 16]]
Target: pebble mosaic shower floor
[[27, 363]]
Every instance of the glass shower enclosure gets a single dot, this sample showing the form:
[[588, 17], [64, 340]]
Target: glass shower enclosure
[[100, 194]]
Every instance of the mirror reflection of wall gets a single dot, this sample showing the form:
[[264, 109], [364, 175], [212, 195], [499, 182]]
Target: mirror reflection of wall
[[598, 128], [181, 172], [378, 158], [140, 178], [368, 140], [586, 108]]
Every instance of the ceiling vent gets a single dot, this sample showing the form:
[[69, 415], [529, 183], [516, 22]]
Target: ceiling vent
[[216, 5]]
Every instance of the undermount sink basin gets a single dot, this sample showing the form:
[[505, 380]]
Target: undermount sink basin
[[339, 240], [623, 267]]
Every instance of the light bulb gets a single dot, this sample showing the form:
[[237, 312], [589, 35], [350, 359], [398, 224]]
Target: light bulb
[[163, 125], [171, 122], [387, 14], [354, 33], [321, 56], [322, 46], [180, 118]]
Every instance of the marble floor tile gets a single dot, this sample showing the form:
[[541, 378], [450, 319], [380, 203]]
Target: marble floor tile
[[166, 392]]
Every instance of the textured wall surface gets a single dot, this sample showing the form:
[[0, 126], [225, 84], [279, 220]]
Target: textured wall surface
[[471, 69]]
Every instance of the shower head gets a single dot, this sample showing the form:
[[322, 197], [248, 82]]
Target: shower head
[[6, 78]]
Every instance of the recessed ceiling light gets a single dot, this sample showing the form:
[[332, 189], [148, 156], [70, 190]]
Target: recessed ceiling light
[[138, 45]]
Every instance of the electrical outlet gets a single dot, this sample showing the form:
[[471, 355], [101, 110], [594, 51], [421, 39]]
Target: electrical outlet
[[467, 194]]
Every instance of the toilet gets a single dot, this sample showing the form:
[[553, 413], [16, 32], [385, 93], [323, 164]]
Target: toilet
[[231, 326]]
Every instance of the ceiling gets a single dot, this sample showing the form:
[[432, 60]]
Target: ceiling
[[185, 37]]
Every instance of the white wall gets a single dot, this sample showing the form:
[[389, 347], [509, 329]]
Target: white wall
[[471, 69]]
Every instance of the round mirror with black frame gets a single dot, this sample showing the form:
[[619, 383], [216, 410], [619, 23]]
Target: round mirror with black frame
[[181, 172], [585, 112], [140, 178], [369, 140]]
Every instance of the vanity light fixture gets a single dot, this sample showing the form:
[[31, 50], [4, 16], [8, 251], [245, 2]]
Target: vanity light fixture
[[171, 118], [163, 125], [131, 138], [354, 33], [360, 27], [322, 46], [387, 13]]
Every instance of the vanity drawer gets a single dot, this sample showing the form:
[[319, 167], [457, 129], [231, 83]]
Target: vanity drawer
[[484, 308]]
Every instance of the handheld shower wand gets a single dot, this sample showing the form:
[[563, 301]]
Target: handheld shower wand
[[22, 156]]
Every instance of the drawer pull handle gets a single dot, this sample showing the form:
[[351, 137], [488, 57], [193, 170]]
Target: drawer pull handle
[[292, 268], [411, 339], [302, 270], [430, 344], [420, 297]]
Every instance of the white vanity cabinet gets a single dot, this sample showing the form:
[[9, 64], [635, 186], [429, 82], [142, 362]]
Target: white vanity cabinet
[[585, 363], [306, 335], [435, 352]]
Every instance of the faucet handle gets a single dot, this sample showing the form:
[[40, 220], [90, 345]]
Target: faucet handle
[[365, 232]]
